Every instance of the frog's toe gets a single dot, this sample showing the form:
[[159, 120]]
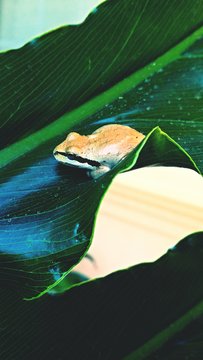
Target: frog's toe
[[97, 172]]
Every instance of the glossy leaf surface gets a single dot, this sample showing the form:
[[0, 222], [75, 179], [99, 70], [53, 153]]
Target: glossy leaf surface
[[48, 211]]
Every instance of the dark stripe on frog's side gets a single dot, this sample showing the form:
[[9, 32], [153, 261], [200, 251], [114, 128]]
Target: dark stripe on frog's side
[[79, 158]]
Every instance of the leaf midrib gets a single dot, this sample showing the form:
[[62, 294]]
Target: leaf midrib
[[68, 120], [165, 335]]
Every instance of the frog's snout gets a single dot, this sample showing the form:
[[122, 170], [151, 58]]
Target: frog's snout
[[59, 155]]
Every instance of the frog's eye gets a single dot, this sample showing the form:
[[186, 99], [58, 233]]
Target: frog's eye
[[72, 136], [72, 150]]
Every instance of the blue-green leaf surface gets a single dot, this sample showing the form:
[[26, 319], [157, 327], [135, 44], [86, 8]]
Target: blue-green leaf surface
[[141, 78]]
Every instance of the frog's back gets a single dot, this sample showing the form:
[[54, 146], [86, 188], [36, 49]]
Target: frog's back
[[116, 141]]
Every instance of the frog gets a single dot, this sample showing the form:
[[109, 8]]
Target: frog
[[100, 151]]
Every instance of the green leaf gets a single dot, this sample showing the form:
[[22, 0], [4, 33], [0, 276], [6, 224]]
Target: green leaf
[[61, 70], [132, 310], [171, 98], [48, 211], [134, 63], [186, 344]]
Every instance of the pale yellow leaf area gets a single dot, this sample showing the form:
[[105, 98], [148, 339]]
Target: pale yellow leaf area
[[144, 213]]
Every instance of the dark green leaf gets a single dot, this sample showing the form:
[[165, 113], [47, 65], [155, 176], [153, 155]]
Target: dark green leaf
[[172, 98], [135, 309], [59, 71], [188, 344]]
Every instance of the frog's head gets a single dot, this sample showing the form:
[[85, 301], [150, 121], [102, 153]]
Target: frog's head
[[74, 152]]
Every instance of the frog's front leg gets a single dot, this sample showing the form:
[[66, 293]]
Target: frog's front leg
[[97, 172]]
